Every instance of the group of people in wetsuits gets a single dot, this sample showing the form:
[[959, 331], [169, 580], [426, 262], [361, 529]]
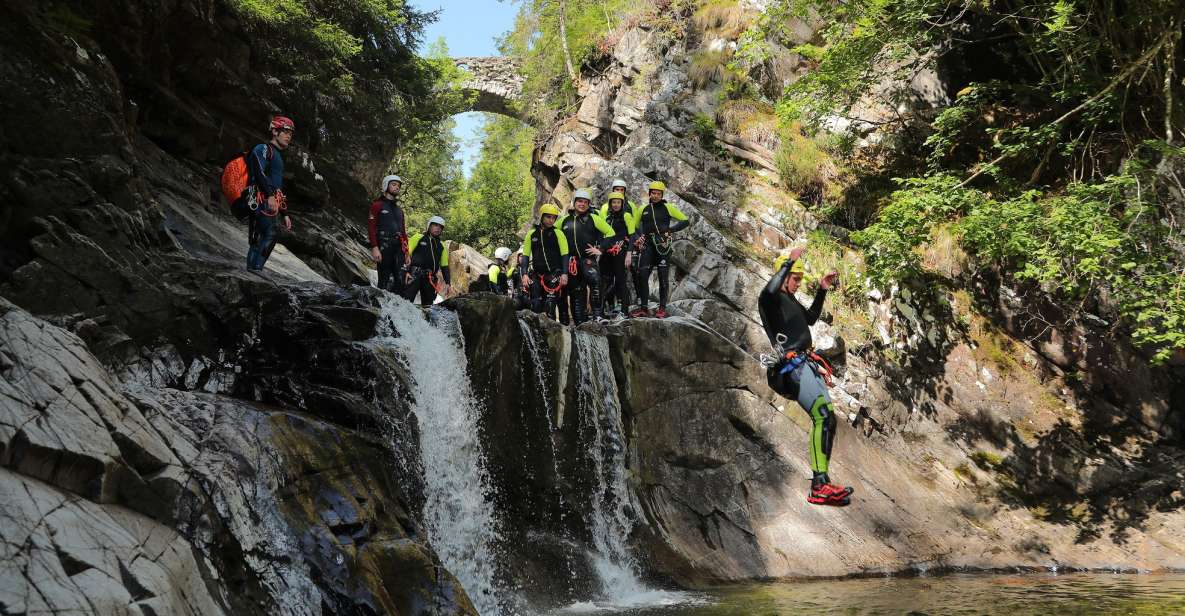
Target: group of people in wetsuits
[[579, 265], [576, 267]]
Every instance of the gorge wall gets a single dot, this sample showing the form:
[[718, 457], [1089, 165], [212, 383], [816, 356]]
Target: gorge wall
[[180, 436]]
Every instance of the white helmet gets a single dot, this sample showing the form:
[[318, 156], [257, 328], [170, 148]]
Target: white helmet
[[502, 253], [387, 182], [618, 182], [582, 194], [436, 220]]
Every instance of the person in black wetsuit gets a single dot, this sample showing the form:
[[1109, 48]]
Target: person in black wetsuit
[[387, 228], [545, 262], [427, 273], [265, 169], [797, 373], [618, 257], [588, 236], [501, 272], [656, 223]]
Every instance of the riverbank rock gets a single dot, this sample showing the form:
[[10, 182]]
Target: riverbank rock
[[155, 499]]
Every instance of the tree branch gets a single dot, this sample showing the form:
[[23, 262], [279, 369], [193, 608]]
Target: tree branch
[[1140, 62]]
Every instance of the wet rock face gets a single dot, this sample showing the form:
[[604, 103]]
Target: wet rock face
[[717, 468], [192, 503]]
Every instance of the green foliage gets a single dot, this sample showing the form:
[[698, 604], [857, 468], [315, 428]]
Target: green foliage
[[323, 38], [1088, 240], [704, 127], [708, 67], [804, 165], [987, 460], [500, 195], [725, 19], [431, 172], [65, 20], [536, 39], [1052, 171]]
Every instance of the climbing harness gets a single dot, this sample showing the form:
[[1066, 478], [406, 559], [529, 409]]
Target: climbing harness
[[550, 290], [789, 361], [662, 247]]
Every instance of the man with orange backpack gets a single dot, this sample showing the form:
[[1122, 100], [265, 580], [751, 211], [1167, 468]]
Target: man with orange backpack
[[265, 172]]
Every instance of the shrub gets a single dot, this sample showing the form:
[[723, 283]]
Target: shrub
[[725, 19], [708, 66], [704, 127], [804, 167]]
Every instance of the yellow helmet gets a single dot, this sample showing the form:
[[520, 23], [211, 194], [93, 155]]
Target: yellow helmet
[[795, 268], [616, 195], [658, 186], [547, 209]]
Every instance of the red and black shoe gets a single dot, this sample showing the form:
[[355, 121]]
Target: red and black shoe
[[661, 313], [639, 312], [829, 494]]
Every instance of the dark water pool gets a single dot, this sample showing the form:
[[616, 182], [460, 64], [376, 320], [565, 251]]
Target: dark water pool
[[978, 595]]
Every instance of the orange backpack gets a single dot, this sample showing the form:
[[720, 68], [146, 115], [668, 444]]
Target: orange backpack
[[235, 179]]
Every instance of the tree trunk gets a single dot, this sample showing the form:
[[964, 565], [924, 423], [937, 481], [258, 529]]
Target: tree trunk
[[564, 43]]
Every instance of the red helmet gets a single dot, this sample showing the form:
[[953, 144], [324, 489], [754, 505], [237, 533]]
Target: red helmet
[[283, 123]]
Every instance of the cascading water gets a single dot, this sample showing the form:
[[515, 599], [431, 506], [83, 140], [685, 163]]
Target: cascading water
[[610, 522], [458, 510]]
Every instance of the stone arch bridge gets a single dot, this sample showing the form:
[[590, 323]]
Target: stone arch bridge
[[495, 82]]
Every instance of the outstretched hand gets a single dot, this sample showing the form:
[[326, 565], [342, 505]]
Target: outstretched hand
[[830, 280], [796, 253]]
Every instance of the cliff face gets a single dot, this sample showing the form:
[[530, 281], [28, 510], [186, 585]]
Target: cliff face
[[177, 435], [716, 466], [185, 437], [982, 436]]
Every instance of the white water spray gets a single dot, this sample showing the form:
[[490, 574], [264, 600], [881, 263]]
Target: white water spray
[[611, 523], [457, 489]]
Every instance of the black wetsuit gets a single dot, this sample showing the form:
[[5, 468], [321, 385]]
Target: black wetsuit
[[545, 256], [429, 260], [388, 233], [799, 377], [655, 223], [584, 284], [614, 276]]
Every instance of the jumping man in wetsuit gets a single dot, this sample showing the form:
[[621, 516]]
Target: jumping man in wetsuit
[[798, 373], [544, 262], [388, 235], [656, 223], [427, 273], [588, 236]]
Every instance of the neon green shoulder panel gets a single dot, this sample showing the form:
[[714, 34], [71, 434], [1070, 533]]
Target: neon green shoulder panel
[[526, 249], [444, 245], [675, 212], [413, 242], [603, 226], [562, 240], [494, 273]]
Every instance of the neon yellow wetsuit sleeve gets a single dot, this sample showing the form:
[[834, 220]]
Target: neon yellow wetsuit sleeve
[[495, 273], [675, 212], [444, 254], [562, 240], [603, 226], [526, 249]]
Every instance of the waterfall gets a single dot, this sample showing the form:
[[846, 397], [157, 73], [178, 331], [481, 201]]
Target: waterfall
[[610, 523], [458, 508]]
